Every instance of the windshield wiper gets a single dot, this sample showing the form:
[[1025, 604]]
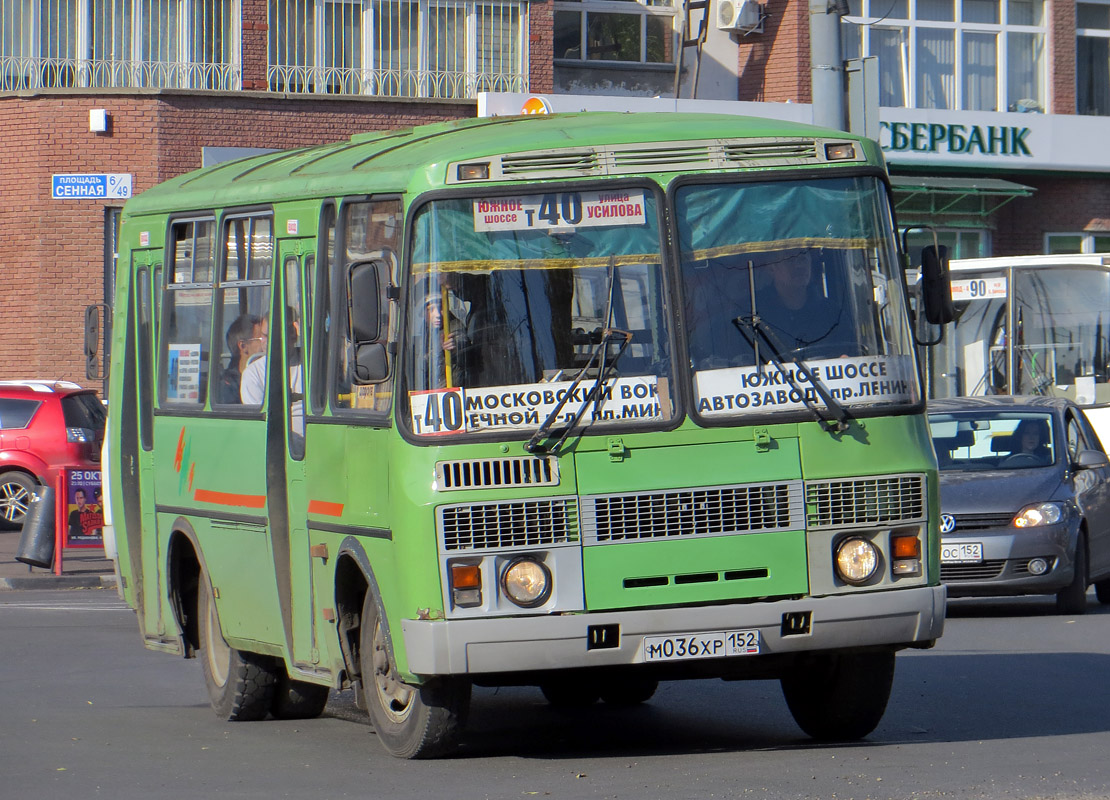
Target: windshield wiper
[[605, 366], [753, 330]]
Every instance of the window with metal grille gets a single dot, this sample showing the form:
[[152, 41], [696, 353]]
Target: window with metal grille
[[394, 48], [185, 44]]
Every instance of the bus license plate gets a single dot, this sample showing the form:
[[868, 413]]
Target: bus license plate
[[689, 646], [961, 553]]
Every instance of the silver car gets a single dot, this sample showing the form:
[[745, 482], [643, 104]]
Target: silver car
[[1025, 499]]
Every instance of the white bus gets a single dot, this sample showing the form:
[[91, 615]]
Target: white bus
[[1029, 325]]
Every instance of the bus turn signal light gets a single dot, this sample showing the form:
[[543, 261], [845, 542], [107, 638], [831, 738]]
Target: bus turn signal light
[[906, 555], [466, 585]]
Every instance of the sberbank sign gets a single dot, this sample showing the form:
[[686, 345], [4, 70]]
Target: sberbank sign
[[932, 137]]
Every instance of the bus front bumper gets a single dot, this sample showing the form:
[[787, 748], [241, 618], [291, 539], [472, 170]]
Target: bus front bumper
[[902, 617]]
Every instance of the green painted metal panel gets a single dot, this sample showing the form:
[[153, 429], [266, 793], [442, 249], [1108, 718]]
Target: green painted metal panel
[[645, 468], [687, 566]]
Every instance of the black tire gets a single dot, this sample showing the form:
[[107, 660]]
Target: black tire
[[298, 699], [1102, 592], [16, 490], [240, 684], [629, 692], [839, 696], [1072, 599], [411, 721], [570, 693]]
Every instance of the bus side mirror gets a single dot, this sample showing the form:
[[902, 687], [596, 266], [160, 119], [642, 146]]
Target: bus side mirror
[[936, 287], [93, 314], [370, 362]]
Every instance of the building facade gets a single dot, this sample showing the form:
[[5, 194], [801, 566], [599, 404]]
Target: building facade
[[993, 113]]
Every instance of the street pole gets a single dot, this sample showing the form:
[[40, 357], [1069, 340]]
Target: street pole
[[826, 63]]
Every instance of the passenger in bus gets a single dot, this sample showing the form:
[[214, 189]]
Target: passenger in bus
[[804, 315], [252, 387], [244, 339], [443, 341]]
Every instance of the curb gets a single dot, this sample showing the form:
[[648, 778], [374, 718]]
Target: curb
[[59, 582]]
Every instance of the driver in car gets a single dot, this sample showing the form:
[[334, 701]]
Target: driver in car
[[801, 318]]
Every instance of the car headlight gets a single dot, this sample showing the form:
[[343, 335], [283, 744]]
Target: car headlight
[[526, 582], [856, 560], [1039, 514]]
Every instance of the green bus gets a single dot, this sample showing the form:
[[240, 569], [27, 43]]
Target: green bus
[[542, 408]]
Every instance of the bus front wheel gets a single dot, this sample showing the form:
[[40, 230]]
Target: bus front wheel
[[240, 684], [839, 696], [411, 721]]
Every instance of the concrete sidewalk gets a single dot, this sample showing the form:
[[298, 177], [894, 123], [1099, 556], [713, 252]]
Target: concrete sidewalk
[[81, 569]]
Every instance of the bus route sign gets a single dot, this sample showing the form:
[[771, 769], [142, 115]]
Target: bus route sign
[[93, 186]]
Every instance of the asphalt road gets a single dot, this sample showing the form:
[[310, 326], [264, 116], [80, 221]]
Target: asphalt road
[[1013, 703]]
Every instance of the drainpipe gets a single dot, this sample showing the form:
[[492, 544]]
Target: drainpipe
[[826, 64]]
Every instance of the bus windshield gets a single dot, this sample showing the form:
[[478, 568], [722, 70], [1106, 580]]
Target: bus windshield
[[790, 283], [537, 309]]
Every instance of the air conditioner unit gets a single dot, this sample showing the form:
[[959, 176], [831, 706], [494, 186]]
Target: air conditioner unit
[[738, 15]]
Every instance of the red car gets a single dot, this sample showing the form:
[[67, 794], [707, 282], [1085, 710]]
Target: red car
[[45, 426]]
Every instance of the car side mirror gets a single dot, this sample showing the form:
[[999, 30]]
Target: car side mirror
[[1091, 459]]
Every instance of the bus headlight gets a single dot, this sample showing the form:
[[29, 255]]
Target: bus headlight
[[856, 560], [526, 582]]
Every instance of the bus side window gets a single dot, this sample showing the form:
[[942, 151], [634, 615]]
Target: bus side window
[[321, 329], [371, 231], [294, 344], [244, 300], [187, 313]]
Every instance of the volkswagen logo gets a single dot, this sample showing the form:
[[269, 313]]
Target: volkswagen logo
[[947, 523]]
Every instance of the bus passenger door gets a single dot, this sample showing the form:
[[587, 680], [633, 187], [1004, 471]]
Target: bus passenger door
[[136, 458], [287, 429]]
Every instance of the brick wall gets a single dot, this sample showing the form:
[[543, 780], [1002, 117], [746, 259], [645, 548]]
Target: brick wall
[[1061, 56], [1060, 205], [541, 30], [774, 65], [51, 251]]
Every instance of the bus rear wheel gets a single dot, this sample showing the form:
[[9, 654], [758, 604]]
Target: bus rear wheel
[[411, 721], [839, 696], [240, 684]]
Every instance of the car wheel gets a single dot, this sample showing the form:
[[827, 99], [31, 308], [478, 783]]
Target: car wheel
[[839, 696], [16, 490], [1072, 599], [240, 684], [411, 721]]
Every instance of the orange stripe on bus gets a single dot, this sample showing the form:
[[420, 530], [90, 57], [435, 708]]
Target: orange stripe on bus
[[324, 507], [229, 499]]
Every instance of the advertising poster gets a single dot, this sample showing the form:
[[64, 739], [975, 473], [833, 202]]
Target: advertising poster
[[84, 509]]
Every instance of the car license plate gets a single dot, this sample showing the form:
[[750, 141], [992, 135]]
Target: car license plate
[[689, 646], [961, 552]]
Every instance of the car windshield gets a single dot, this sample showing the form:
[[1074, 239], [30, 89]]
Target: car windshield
[[795, 272], [537, 310], [990, 441]]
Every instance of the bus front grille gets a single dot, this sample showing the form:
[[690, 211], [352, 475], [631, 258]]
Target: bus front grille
[[491, 473], [881, 500], [542, 522], [710, 511]]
